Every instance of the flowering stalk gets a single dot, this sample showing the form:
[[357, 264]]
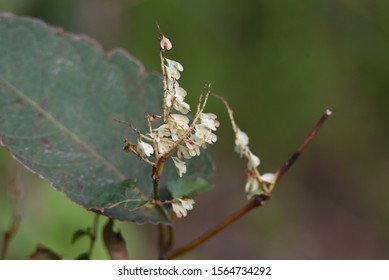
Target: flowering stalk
[[256, 183], [176, 137]]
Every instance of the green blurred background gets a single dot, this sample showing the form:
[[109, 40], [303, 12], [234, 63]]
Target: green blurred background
[[280, 64]]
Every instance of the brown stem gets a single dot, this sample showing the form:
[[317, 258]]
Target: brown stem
[[302, 147], [165, 243], [8, 235], [16, 194], [256, 201]]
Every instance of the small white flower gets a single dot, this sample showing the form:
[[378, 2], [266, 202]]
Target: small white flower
[[241, 142], [174, 89], [254, 161], [183, 151], [268, 178], [252, 184], [173, 69], [180, 121], [144, 148], [180, 206], [164, 145], [180, 166], [197, 140], [178, 125], [187, 203], [210, 138], [180, 92], [162, 131], [195, 151], [182, 106], [193, 147], [190, 144], [178, 209], [209, 120], [175, 97], [205, 134]]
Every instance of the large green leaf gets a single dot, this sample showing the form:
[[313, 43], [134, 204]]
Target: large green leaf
[[59, 97]]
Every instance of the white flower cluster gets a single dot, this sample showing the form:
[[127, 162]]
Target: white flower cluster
[[177, 134], [177, 137], [254, 179]]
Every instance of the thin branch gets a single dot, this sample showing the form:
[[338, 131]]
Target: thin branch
[[128, 147], [165, 243], [16, 193], [256, 201], [130, 125], [302, 147], [93, 234], [152, 140], [229, 110], [8, 235], [165, 87]]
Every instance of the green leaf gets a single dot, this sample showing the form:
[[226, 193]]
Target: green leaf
[[59, 97], [189, 188], [78, 234]]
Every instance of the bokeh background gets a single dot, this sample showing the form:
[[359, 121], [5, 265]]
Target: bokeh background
[[280, 64]]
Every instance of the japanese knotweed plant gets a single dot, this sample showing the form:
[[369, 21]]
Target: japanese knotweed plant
[[62, 105]]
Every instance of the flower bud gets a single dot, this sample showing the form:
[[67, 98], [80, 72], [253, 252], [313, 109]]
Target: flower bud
[[165, 44]]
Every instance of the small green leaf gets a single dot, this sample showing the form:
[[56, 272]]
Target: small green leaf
[[189, 188], [79, 234]]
